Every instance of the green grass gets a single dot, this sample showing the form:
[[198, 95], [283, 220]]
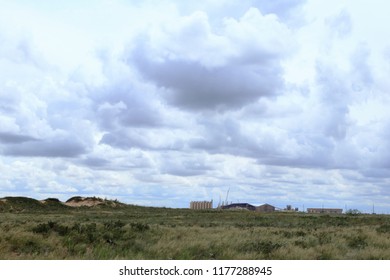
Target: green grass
[[132, 232]]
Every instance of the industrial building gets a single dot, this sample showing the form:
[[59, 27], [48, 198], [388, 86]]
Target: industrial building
[[200, 205], [239, 206], [325, 210], [265, 208]]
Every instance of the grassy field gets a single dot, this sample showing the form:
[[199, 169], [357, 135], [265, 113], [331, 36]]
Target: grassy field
[[132, 232]]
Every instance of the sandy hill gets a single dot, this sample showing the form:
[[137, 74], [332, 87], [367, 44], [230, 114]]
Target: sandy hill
[[78, 201], [21, 204]]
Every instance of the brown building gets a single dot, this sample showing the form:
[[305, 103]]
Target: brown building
[[325, 210], [265, 208]]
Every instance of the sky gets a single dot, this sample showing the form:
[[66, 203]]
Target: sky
[[159, 103]]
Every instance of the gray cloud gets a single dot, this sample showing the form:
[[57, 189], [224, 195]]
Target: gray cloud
[[374, 175], [123, 140], [158, 139], [96, 162], [269, 141], [335, 96], [199, 69], [12, 138], [225, 136], [185, 167], [66, 148], [311, 152], [192, 86], [124, 105]]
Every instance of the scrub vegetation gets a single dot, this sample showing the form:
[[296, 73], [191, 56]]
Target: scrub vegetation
[[30, 229]]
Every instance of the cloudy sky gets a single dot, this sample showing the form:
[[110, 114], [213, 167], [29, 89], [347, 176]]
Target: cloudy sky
[[164, 102]]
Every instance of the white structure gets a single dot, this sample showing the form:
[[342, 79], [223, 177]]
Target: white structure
[[198, 205]]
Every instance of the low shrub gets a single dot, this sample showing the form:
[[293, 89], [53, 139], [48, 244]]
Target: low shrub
[[140, 227], [324, 238], [265, 247], [114, 225], [357, 242], [383, 228], [41, 228]]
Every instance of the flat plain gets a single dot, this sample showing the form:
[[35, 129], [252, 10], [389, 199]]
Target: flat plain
[[32, 230]]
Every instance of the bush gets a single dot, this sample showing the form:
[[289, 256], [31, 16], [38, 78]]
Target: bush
[[27, 244], [50, 226], [324, 238], [139, 227], [357, 242], [61, 230], [383, 228], [41, 228]]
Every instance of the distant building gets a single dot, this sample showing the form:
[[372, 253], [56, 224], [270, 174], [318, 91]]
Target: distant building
[[239, 206], [325, 210], [200, 205], [265, 208], [289, 208]]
